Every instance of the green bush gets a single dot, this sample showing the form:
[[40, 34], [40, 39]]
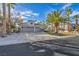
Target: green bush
[[15, 28]]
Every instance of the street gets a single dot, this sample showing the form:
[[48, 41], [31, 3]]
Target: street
[[18, 44]]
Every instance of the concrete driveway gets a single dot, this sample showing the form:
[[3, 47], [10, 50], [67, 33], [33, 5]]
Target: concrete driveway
[[21, 37]]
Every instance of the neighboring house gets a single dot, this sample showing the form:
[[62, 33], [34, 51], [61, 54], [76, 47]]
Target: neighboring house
[[63, 27], [31, 23]]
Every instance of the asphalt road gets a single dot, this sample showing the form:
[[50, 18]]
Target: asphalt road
[[59, 47], [66, 46], [24, 49]]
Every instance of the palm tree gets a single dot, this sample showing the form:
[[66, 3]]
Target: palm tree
[[50, 20], [10, 5], [64, 23], [76, 22], [1, 17], [55, 18], [4, 19], [68, 12]]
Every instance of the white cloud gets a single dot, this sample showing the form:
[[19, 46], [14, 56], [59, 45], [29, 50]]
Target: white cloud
[[66, 5], [74, 13], [22, 13], [35, 14], [24, 21], [26, 13], [24, 17]]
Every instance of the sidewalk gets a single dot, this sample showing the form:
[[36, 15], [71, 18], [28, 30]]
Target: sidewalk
[[14, 38], [44, 36]]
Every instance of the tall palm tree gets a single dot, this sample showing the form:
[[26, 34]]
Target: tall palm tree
[[10, 5], [68, 12], [50, 20], [1, 17], [64, 23], [76, 22], [55, 18], [4, 19]]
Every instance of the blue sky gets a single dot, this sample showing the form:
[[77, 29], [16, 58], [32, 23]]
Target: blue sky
[[39, 11]]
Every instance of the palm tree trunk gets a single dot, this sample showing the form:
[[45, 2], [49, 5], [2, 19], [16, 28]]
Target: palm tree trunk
[[9, 19], [64, 26], [69, 29], [76, 25], [4, 20], [52, 27], [56, 27]]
